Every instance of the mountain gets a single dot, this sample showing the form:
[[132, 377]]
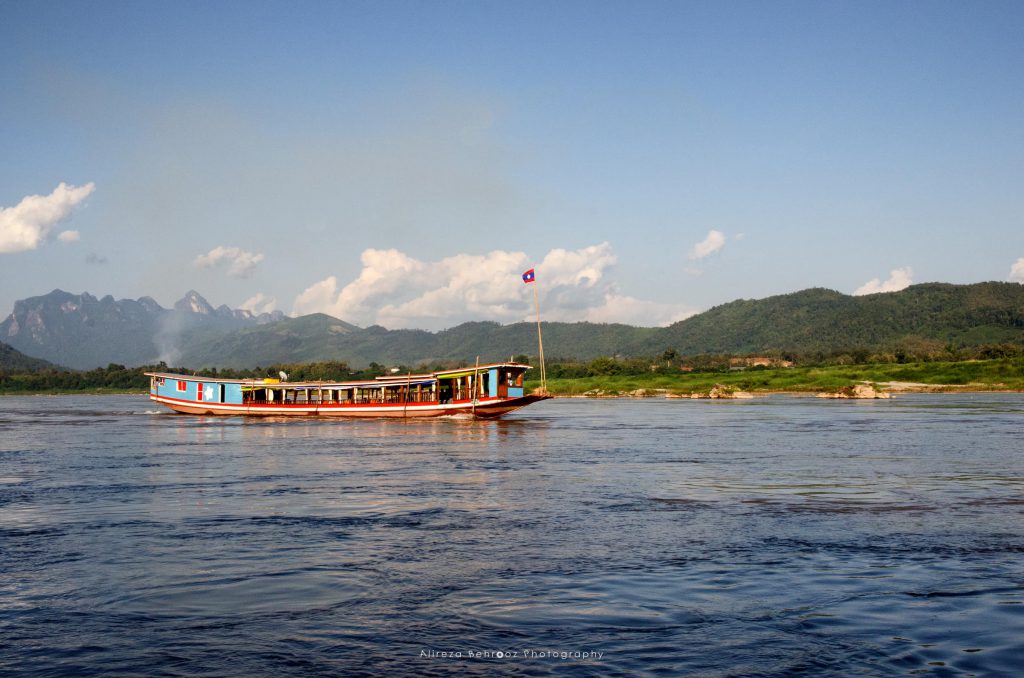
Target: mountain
[[16, 361], [810, 321], [81, 331], [821, 320], [321, 337]]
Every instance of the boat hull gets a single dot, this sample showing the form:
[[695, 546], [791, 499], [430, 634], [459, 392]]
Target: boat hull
[[490, 408]]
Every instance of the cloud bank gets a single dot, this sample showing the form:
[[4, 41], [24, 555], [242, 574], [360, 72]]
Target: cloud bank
[[396, 290], [714, 241], [1017, 271], [899, 278], [28, 224], [259, 303], [240, 264]]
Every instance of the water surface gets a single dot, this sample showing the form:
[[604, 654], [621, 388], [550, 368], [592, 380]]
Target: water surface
[[662, 537]]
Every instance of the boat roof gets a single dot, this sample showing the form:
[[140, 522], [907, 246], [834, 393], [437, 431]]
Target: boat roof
[[390, 380], [451, 374]]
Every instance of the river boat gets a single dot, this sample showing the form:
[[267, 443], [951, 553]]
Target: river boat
[[484, 391]]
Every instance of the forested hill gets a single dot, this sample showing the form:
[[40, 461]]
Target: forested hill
[[15, 361], [812, 321], [81, 331], [320, 337], [821, 320]]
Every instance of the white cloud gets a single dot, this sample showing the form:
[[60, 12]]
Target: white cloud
[[899, 278], [618, 308], [1017, 271], [69, 236], [241, 264], [317, 298], [259, 303], [396, 290], [712, 243], [27, 225]]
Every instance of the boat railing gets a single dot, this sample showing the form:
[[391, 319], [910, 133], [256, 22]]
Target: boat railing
[[387, 399]]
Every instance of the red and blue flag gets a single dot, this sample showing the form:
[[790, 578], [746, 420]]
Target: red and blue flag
[[529, 276]]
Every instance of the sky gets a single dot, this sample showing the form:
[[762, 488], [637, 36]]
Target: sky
[[403, 163]]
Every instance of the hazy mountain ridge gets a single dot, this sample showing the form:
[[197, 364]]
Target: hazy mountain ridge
[[83, 332]]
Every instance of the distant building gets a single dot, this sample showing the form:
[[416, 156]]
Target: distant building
[[758, 361]]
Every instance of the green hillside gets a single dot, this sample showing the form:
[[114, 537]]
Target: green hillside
[[15, 361], [825, 321], [922, 318], [320, 337], [293, 340]]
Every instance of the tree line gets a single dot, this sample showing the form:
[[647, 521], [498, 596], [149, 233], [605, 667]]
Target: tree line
[[116, 377]]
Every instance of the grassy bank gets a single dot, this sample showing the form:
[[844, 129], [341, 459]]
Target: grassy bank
[[1003, 374], [979, 375]]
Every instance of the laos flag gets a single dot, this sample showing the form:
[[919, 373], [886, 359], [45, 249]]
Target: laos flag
[[529, 276]]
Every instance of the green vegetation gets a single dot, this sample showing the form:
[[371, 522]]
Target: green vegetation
[[826, 321], [13, 359], [571, 378], [994, 374]]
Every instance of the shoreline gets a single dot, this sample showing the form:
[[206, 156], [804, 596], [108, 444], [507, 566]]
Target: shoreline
[[881, 390], [650, 394], [766, 394]]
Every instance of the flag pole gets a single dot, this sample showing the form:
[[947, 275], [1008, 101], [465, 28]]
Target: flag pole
[[476, 384], [540, 344]]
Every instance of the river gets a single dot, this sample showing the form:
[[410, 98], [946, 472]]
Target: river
[[772, 536]]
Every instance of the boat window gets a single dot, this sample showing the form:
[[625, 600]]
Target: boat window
[[182, 385]]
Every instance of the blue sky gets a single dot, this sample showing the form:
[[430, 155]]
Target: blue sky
[[402, 162]]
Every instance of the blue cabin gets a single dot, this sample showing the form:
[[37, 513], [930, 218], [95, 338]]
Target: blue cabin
[[196, 389]]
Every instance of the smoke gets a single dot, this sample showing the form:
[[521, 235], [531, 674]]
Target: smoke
[[170, 327], [29, 223]]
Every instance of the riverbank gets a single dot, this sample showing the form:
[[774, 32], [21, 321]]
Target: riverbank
[[1004, 374], [931, 377]]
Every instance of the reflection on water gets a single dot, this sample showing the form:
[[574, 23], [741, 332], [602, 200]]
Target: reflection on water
[[767, 536]]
